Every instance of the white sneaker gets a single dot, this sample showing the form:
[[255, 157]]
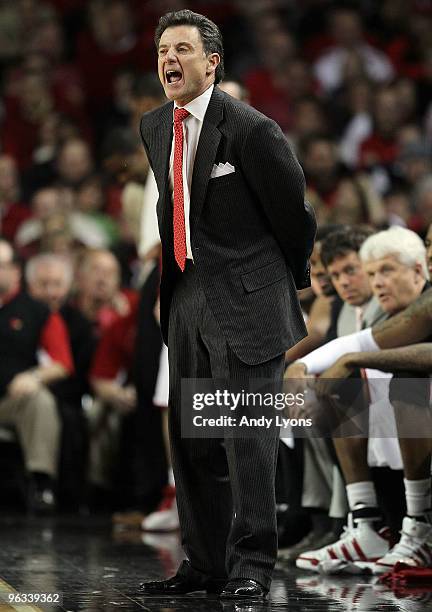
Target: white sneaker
[[359, 542], [312, 539], [414, 548], [165, 520], [166, 516]]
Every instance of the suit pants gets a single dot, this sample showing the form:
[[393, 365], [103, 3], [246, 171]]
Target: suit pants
[[225, 487]]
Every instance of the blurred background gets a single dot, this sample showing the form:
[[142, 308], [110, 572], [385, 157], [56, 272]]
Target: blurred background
[[348, 82]]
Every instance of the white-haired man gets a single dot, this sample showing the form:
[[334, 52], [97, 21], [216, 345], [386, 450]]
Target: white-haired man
[[49, 279], [28, 328], [395, 261]]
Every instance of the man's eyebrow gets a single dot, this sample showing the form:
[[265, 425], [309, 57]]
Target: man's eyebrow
[[188, 44]]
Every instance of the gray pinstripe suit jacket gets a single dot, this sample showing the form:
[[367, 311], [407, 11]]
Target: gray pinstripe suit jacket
[[251, 230]]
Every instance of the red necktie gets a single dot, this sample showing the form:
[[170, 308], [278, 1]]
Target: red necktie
[[178, 218]]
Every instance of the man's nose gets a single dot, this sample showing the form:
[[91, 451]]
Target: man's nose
[[171, 55], [377, 281], [344, 280]]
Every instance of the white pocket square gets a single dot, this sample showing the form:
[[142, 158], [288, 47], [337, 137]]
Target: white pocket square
[[221, 170]]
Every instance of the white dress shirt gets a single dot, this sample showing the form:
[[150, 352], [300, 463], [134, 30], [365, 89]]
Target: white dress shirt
[[192, 126]]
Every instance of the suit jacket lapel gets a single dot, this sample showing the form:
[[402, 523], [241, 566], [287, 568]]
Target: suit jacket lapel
[[160, 144], [206, 153]]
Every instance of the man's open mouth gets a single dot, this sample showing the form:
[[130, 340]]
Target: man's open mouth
[[173, 76]]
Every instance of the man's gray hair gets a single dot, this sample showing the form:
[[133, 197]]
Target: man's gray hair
[[403, 243], [46, 259]]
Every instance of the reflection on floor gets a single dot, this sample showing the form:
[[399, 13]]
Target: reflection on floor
[[97, 569]]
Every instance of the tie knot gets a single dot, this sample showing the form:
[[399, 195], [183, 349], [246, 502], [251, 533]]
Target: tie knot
[[180, 114]]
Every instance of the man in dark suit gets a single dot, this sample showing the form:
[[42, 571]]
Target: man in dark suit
[[236, 236]]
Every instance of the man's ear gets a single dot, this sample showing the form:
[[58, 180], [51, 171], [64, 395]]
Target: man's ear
[[420, 272], [213, 61]]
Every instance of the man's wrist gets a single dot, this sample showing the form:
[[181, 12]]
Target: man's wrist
[[351, 360]]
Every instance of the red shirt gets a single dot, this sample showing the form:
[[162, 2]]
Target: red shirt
[[54, 340], [116, 348], [376, 150], [108, 315]]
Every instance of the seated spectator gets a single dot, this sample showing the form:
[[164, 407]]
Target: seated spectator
[[146, 94], [235, 89], [323, 170], [27, 327], [45, 203], [309, 117], [355, 112], [114, 387], [49, 279], [414, 163], [74, 162], [357, 203], [110, 43], [381, 147], [25, 112], [98, 293], [54, 130], [349, 199], [347, 32], [127, 449], [53, 208], [268, 83], [397, 207], [56, 236]]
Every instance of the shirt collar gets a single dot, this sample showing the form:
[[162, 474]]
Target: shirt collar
[[198, 106]]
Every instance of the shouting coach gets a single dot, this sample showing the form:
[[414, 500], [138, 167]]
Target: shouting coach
[[236, 237]]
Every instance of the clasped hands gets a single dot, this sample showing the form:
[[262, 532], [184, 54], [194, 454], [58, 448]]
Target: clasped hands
[[324, 387]]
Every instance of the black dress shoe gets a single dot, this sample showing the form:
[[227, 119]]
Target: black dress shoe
[[41, 501], [181, 585], [243, 588]]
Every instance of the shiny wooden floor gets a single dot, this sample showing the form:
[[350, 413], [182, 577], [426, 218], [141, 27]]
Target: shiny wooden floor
[[96, 569]]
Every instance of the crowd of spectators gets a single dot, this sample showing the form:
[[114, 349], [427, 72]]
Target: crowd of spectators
[[350, 84]]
